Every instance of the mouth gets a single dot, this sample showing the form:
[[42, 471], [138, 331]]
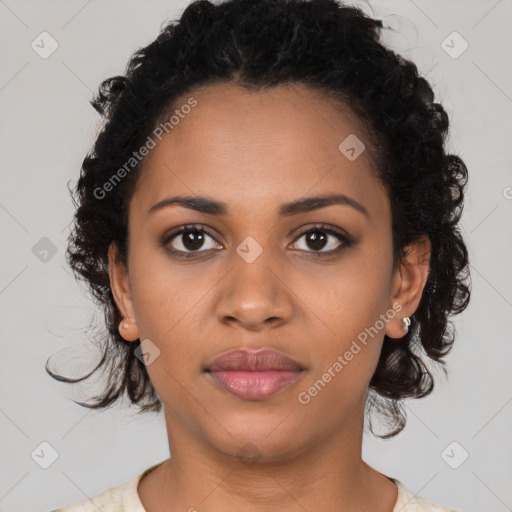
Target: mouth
[[251, 375]]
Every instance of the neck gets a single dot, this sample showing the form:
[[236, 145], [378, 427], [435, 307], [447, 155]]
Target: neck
[[328, 474]]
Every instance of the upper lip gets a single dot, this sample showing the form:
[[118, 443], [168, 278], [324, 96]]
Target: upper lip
[[253, 360]]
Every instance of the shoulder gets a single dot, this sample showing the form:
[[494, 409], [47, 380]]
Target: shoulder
[[123, 498], [110, 500], [408, 502]]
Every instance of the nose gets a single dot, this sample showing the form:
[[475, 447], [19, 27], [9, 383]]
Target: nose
[[255, 295]]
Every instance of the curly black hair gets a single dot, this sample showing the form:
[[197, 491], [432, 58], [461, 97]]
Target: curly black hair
[[331, 48]]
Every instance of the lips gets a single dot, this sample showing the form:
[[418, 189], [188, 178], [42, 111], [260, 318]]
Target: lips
[[249, 360], [253, 375]]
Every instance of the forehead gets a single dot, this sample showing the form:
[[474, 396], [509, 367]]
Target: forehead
[[263, 148]]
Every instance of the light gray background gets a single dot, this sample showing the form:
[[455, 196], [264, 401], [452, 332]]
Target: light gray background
[[47, 126]]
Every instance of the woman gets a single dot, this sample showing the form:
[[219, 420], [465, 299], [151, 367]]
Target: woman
[[270, 221]]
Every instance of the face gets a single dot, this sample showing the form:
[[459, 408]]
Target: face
[[315, 284]]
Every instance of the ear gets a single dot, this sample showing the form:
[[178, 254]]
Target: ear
[[408, 284], [120, 285]]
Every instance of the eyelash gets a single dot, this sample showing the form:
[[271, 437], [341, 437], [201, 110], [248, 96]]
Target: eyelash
[[346, 241]]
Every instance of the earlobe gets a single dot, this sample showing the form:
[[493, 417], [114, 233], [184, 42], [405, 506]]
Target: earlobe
[[128, 330], [399, 326]]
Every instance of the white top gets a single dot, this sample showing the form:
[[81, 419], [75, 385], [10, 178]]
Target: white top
[[125, 498]]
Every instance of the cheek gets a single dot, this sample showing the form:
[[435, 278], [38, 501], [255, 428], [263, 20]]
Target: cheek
[[164, 294], [351, 302], [342, 373], [164, 317], [352, 308]]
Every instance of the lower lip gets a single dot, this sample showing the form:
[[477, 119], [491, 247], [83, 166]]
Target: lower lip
[[251, 385]]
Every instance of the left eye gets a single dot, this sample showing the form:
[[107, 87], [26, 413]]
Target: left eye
[[317, 238]]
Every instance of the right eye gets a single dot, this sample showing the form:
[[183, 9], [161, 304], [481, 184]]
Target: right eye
[[189, 239]]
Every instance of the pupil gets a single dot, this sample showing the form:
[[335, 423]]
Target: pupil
[[189, 242], [318, 241]]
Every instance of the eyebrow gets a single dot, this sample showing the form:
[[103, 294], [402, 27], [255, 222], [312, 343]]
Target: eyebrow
[[213, 207]]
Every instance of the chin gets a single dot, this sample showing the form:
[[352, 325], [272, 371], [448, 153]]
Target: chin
[[252, 442]]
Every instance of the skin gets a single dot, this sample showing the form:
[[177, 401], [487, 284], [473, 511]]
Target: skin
[[255, 151]]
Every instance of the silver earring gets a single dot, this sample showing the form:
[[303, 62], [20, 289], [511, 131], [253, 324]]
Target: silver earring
[[406, 321]]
